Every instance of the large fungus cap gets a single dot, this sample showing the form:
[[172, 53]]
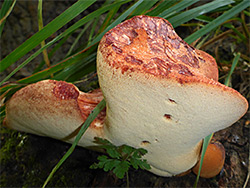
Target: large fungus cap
[[161, 93]]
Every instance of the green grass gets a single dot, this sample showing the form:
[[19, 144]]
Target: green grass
[[207, 23]]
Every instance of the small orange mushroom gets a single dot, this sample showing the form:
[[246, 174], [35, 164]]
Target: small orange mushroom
[[213, 161]]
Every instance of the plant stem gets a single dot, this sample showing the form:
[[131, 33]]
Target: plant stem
[[127, 179], [40, 27], [8, 13]]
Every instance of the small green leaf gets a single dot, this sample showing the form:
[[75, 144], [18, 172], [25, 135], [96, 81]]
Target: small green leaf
[[134, 162], [139, 153], [121, 169], [127, 149], [142, 151], [107, 147], [101, 164], [144, 165], [110, 148], [122, 157], [102, 158], [110, 164], [102, 161], [136, 154], [113, 153], [101, 141], [94, 166]]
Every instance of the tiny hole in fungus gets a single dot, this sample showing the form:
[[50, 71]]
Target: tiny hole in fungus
[[172, 100], [167, 116], [145, 143]]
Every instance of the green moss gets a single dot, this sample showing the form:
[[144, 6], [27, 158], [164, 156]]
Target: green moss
[[11, 141], [26, 160], [11, 152], [18, 160]]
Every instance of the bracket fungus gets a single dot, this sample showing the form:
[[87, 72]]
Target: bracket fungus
[[161, 94]]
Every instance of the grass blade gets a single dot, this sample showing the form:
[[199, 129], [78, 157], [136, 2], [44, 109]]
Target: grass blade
[[206, 142], [144, 7], [78, 38], [93, 28], [216, 22], [71, 70], [53, 69], [176, 8], [195, 12], [5, 11], [47, 31], [108, 18], [161, 7], [83, 129], [204, 18], [89, 67], [52, 51], [238, 33], [40, 27], [244, 24], [234, 64], [62, 35], [7, 6], [116, 22]]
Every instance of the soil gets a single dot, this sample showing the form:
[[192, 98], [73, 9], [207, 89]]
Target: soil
[[26, 160]]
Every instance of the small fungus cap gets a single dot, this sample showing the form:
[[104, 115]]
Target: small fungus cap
[[213, 161]]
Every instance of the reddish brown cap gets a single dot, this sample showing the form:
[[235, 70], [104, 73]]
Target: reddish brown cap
[[151, 45]]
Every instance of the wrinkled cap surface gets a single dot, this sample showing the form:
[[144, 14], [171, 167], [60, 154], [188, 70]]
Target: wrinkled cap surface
[[150, 45]]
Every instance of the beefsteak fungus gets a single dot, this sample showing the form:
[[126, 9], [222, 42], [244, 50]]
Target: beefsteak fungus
[[161, 94]]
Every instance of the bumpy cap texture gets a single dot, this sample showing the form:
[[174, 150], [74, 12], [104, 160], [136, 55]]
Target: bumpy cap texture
[[151, 45]]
